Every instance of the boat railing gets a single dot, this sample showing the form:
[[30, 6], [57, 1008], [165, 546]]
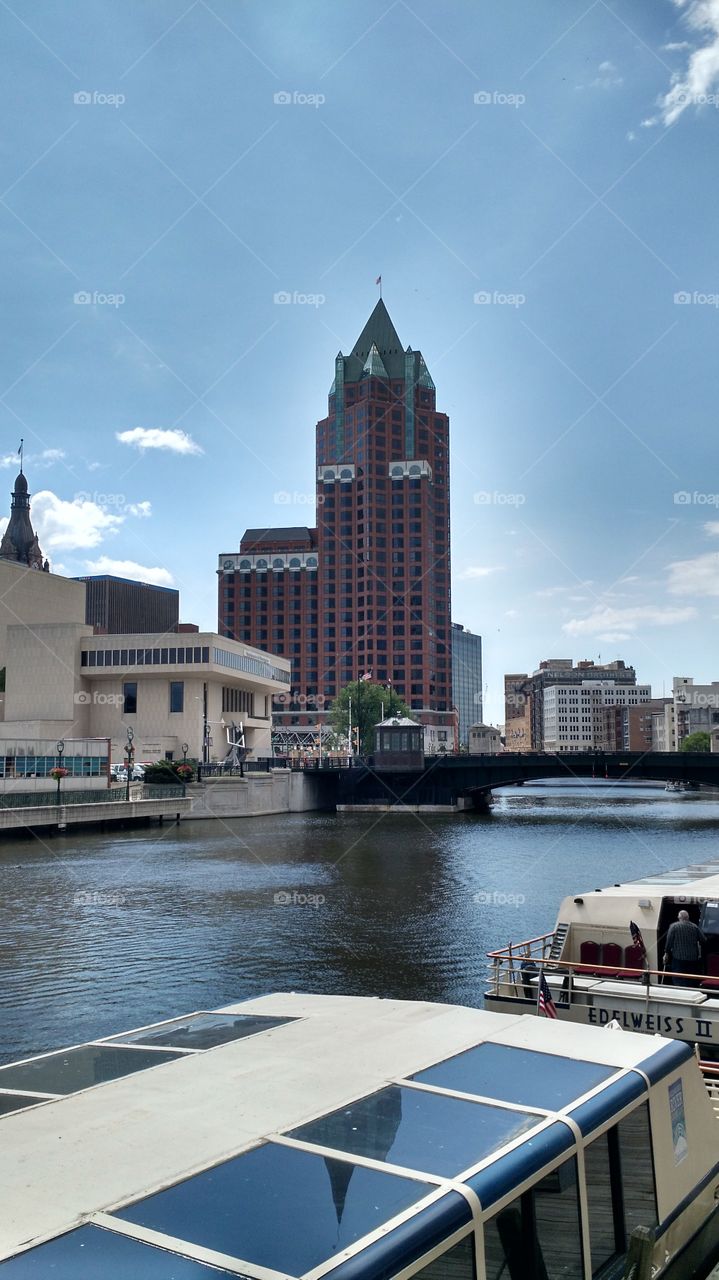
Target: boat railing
[[710, 1072], [514, 972]]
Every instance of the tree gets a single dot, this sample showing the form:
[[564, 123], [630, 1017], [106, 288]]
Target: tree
[[700, 741], [369, 701]]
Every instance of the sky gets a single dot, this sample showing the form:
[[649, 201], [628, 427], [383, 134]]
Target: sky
[[196, 200]]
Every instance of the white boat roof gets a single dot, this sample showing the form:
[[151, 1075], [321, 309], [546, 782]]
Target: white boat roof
[[703, 876], [350, 1113]]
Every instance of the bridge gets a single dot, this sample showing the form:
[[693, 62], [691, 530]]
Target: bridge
[[446, 779]]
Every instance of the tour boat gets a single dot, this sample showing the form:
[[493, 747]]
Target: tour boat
[[302, 1136], [603, 961]]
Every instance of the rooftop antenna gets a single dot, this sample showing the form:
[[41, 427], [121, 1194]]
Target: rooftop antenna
[[21, 451], [378, 281]]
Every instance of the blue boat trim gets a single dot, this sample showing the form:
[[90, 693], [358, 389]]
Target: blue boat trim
[[665, 1060], [509, 1171], [604, 1106], [408, 1241]]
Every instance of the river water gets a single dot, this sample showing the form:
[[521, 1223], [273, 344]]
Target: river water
[[101, 932]]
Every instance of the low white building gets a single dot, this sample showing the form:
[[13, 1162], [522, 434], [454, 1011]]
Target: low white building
[[694, 709], [484, 739], [572, 713]]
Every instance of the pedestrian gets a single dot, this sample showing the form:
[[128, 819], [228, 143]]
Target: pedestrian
[[684, 947]]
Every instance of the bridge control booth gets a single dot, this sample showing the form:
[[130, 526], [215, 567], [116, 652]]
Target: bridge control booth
[[399, 744]]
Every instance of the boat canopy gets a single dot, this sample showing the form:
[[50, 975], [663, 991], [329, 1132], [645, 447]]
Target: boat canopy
[[299, 1136]]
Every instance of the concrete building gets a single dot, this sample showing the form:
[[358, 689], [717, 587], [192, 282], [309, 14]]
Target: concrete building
[[121, 606], [484, 739], [695, 709], [630, 727], [466, 679], [574, 714], [28, 597], [525, 695], [382, 544]]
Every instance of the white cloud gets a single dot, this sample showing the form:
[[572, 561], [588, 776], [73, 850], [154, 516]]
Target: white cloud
[[130, 569], [697, 577], [676, 46], [605, 621], [477, 571], [140, 509], [608, 77], [47, 458], [712, 528], [698, 83], [68, 526], [172, 439]]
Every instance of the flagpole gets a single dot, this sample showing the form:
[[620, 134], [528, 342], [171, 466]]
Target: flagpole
[[539, 985]]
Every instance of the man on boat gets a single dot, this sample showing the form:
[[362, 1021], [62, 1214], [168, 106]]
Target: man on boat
[[684, 949]]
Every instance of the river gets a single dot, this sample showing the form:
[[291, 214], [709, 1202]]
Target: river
[[101, 932]]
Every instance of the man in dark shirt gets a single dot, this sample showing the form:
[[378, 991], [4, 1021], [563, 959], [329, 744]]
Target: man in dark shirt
[[683, 949]]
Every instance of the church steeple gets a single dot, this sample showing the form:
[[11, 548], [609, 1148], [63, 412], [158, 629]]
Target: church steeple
[[20, 542]]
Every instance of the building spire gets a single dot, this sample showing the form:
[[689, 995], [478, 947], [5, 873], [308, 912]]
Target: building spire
[[20, 542]]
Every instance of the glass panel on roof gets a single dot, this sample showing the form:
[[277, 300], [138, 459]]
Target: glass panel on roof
[[278, 1207], [202, 1030], [91, 1253], [419, 1130], [66, 1072], [16, 1102], [523, 1076]]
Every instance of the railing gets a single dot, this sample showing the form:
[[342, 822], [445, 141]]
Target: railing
[[710, 1072], [157, 791], [36, 799], [514, 970]]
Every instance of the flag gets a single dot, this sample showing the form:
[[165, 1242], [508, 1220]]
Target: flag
[[637, 938], [546, 1003], [378, 280], [367, 676]]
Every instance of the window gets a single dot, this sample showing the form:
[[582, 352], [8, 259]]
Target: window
[[177, 696], [129, 696], [538, 1235], [620, 1187]]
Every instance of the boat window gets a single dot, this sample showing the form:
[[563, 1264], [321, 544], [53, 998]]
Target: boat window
[[202, 1030], [80, 1068], [418, 1130], [635, 1150], [17, 1102], [538, 1236], [278, 1207], [456, 1264], [91, 1252], [620, 1187], [517, 1075]]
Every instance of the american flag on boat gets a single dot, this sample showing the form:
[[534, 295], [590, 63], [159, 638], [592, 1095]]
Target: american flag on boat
[[546, 1003], [637, 938]]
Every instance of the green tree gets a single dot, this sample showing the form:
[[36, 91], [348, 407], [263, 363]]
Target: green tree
[[369, 701], [697, 742]]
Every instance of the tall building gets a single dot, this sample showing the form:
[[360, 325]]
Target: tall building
[[524, 695], [380, 551], [117, 606], [631, 728], [466, 679]]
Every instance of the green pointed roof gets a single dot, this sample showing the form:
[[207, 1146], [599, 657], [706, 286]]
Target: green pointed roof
[[373, 365], [379, 332]]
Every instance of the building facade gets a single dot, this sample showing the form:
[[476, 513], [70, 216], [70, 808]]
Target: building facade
[[120, 606], [631, 727], [575, 714], [484, 739], [524, 695], [19, 541], [382, 544], [466, 679]]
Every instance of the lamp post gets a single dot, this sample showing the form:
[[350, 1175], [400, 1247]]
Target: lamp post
[[185, 749], [130, 755], [60, 752]]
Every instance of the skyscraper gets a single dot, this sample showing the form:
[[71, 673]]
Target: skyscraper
[[380, 552], [466, 679]]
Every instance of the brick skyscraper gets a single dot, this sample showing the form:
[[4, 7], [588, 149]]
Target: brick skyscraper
[[380, 554]]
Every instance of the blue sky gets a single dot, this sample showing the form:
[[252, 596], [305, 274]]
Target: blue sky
[[536, 182]]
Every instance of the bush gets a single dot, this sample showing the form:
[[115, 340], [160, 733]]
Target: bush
[[169, 773]]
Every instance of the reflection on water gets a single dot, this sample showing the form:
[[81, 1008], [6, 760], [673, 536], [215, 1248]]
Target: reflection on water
[[100, 932]]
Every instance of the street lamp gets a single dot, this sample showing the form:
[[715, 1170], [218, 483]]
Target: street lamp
[[58, 767], [130, 755], [185, 749]]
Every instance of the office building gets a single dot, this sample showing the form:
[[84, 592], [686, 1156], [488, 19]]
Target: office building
[[575, 714], [466, 679], [121, 606], [524, 695]]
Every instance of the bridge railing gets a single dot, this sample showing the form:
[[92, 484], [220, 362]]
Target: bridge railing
[[514, 974]]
